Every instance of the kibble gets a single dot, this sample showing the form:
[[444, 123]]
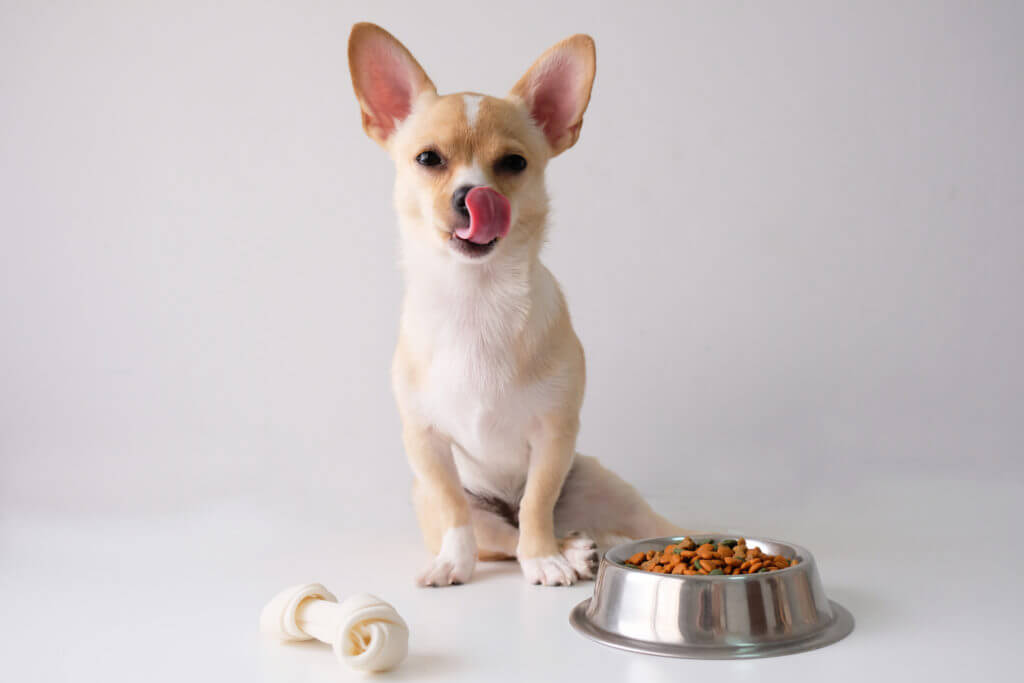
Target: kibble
[[709, 558]]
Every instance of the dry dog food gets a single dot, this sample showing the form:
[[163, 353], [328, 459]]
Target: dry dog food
[[709, 557]]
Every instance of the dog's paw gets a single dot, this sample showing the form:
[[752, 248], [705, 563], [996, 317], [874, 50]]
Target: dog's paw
[[553, 570], [455, 563], [444, 573], [582, 554]]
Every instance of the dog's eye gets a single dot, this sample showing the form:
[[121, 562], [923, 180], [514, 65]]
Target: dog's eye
[[510, 163], [428, 158]]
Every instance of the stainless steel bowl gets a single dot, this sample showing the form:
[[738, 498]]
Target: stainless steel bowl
[[711, 617]]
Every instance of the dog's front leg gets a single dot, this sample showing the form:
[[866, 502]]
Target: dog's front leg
[[443, 503], [552, 449]]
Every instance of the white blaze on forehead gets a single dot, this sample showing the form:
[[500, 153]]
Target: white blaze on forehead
[[472, 104]]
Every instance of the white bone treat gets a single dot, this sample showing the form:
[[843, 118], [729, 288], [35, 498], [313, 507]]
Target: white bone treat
[[366, 633]]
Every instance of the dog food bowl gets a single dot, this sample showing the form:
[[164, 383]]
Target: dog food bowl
[[711, 617]]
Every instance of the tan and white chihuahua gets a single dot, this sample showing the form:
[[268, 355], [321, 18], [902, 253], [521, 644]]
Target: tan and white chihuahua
[[488, 373]]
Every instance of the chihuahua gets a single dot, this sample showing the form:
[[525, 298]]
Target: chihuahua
[[488, 373]]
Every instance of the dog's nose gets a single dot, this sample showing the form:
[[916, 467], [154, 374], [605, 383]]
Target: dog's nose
[[459, 200]]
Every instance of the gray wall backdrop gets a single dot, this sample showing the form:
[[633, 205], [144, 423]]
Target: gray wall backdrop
[[791, 237]]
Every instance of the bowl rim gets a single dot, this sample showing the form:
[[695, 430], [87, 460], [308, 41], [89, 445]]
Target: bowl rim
[[805, 556]]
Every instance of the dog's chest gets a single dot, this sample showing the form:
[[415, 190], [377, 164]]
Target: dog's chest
[[470, 390], [473, 392], [469, 395]]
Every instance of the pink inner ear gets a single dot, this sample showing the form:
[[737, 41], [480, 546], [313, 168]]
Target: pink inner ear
[[555, 101], [386, 84]]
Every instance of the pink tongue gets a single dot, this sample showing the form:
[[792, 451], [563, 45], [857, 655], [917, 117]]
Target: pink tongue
[[489, 213]]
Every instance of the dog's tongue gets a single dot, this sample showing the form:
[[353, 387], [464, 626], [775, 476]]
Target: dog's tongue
[[489, 214]]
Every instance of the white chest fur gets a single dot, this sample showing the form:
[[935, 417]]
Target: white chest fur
[[473, 327]]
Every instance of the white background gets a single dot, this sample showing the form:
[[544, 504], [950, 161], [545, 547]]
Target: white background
[[792, 241]]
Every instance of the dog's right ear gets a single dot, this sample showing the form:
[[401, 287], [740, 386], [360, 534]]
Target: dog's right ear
[[386, 77]]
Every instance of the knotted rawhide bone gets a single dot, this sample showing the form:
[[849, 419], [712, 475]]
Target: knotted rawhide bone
[[366, 633]]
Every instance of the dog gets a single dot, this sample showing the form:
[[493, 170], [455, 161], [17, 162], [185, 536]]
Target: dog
[[488, 373]]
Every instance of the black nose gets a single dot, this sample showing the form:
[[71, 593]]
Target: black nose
[[459, 200]]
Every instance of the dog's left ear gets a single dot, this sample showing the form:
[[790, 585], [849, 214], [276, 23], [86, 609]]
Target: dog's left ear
[[556, 90], [386, 77]]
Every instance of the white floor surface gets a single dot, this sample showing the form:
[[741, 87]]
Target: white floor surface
[[929, 568]]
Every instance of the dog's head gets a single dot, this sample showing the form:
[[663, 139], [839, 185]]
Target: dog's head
[[469, 167]]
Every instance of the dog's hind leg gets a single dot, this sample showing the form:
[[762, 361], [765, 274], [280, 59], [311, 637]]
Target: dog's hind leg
[[496, 538], [495, 524], [597, 503]]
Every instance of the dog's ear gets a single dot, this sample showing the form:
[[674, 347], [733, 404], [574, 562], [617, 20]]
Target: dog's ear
[[386, 77], [556, 90]]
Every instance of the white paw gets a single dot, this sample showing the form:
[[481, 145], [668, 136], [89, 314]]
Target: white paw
[[553, 570], [444, 573], [582, 554], [455, 563]]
